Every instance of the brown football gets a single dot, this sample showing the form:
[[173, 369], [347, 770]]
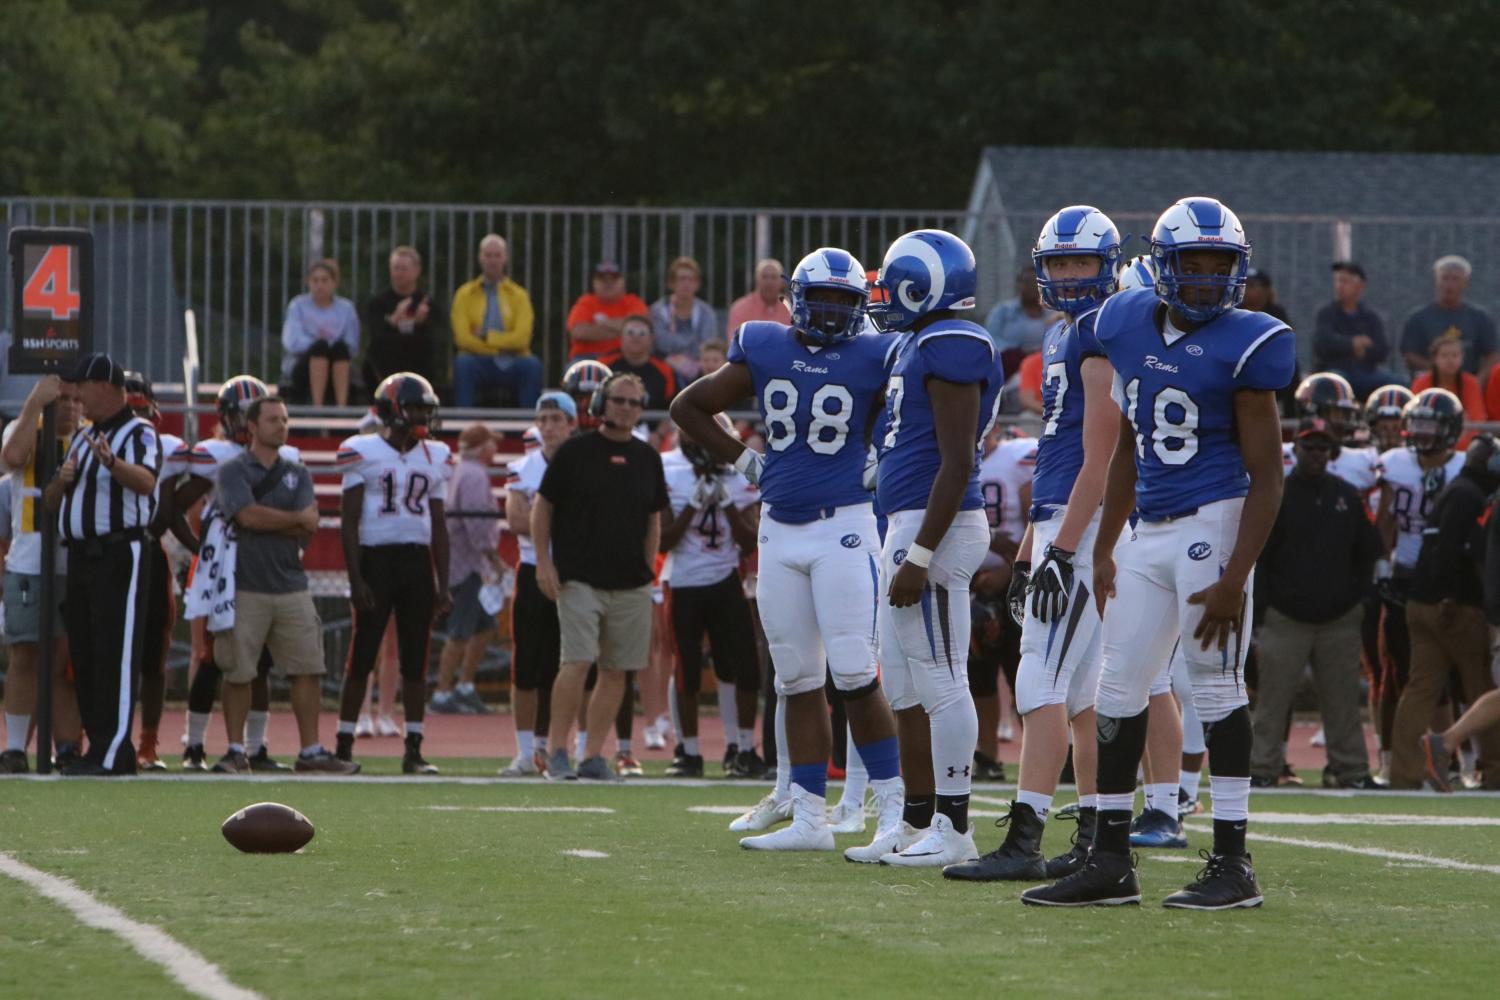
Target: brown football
[[268, 828]]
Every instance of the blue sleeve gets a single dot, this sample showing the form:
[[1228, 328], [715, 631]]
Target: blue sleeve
[[1269, 363], [234, 489], [1088, 340], [736, 353], [958, 357]]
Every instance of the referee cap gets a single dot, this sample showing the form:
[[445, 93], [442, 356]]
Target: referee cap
[[96, 368]]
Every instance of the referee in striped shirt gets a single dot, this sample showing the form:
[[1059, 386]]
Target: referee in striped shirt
[[103, 496]]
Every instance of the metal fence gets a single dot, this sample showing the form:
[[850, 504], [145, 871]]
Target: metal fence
[[237, 264]]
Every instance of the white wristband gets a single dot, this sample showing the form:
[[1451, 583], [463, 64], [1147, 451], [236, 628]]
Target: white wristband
[[746, 459], [919, 555]]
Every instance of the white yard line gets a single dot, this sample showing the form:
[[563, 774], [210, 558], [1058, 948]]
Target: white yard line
[[1369, 852], [602, 810], [584, 852], [195, 973]]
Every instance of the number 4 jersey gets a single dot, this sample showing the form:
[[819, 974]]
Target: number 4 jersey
[[1177, 389], [816, 403], [399, 487]]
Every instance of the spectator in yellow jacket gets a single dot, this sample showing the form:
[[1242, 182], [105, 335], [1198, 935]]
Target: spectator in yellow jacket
[[492, 326]]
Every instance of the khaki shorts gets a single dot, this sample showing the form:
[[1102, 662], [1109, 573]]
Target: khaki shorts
[[285, 624], [23, 606], [608, 627]]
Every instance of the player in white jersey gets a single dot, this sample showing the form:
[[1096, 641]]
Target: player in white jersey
[[395, 539], [1412, 477], [536, 642], [710, 525], [1005, 476], [212, 576]]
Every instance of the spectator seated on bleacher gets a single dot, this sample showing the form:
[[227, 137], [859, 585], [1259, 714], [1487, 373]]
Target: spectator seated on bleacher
[[635, 357], [404, 327], [763, 302], [1349, 337], [319, 338], [682, 321], [493, 324], [1447, 372], [1449, 316], [595, 321]]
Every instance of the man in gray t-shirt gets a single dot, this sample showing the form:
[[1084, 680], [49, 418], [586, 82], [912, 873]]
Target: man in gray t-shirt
[[269, 501], [1449, 317]]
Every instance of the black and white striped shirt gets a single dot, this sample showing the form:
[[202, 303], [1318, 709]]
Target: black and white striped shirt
[[96, 503]]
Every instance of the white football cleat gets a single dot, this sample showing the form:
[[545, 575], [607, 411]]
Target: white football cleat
[[763, 815], [847, 817], [521, 767], [654, 738], [364, 727], [939, 845], [809, 830], [892, 833]]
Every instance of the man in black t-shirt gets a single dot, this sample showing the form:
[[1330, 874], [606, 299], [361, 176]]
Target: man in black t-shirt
[[595, 527]]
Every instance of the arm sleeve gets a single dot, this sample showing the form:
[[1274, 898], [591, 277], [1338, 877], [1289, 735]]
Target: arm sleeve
[[1484, 338], [145, 450], [1411, 336], [295, 337], [306, 495], [1088, 338], [957, 357], [350, 461], [234, 489], [580, 313], [1269, 362]]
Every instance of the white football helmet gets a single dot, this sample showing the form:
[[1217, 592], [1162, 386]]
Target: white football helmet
[[1199, 224], [1075, 231]]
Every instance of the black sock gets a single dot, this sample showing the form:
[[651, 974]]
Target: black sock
[[1121, 743], [918, 812], [205, 687], [413, 743], [1229, 743], [956, 808], [1112, 831], [1229, 837]]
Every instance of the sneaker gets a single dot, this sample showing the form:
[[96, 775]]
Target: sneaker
[[386, 726], [1363, 783], [763, 815], [520, 767], [233, 762], [940, 845], [987, 768], [808, 831], [1077, 855], [412, 761], [686, 765], [598, 769], [1106, 879], [1289, 777], [847, 817], [1263, 781], [1225, 883], [1154, 828], [445, 703], [655, 738], [1185, 806], [193, 758], [559, 768], [1436, 755], [1319, 738], [1019, 857], [730, 753], [262, 762], [146, 758], [14, 762], [626, 766], [323, 762], [344, 746], [364, 727], [474, 700], [749, 765]]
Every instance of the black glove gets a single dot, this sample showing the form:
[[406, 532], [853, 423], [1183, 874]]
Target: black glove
[[1052, 585], [1015, 594], [1391, 591]]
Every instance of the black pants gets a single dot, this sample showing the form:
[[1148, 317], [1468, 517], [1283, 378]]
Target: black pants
[[105, 616], [720, 609], [400, 576], [537, 643], [161, 610]]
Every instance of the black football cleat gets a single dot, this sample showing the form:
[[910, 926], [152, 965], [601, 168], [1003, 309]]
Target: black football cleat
[[1019, 857], [194, 759], [14, 762], [412, 761], [986, 768], [1083, 841], [261, 762], [1106, 879], [1224, 883], [686, 765], [730, 753], [344, 746], [749, 765]]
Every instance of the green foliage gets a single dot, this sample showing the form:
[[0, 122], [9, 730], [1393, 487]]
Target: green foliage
[[673, 102]]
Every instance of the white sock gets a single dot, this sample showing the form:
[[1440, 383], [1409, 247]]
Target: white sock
[[525, 743], [1121, 802], [464, 687], [690, 746], [674, 707], [580, 743], [727, 710], [313, 750], [441, 697], [17, 729], [856, 778], [747, 738], [414, 729], [783, 753], [1231, 797], [541, 742], [1162, 797], [236, 748], [1088, 801], [955, 730], [197, 728], [346, 728], [1189, 781], [625, 746], [255, 729], [1040, 802]]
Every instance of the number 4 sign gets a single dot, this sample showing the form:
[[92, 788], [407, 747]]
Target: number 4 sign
[[52, 300]]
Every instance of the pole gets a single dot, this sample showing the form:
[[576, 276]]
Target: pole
[[46, 461]]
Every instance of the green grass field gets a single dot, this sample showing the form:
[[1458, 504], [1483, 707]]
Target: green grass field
[[449, 889]]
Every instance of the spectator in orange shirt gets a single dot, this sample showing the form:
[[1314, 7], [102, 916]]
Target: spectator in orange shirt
[[764, 302], [1447, 372], [1029, 382], [595, 321], [637, 340]]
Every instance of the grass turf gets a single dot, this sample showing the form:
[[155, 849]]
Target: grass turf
[[395, 898]]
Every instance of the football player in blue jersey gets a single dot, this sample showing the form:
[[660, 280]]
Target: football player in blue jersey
[[819, 384], [1199, 459], [942, 398], [1078, 263]]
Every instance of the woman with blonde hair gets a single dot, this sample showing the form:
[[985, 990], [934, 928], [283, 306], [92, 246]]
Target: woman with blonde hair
[[321, 327], [681, 320]]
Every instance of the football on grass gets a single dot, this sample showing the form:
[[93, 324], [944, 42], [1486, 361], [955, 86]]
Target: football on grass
[[268, 828]]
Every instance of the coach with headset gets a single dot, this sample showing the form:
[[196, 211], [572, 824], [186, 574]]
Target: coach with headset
[[595, 527], [104, 498]]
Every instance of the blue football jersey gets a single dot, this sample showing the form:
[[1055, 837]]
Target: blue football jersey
[[1179, 395], [1059, 452], [951, 350], [816, 403]]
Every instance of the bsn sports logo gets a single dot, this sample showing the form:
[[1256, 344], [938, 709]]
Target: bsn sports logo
[[850, 541], [1199, 551]]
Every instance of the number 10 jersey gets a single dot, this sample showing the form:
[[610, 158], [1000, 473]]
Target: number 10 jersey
[[399, 487], [816, 403]]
